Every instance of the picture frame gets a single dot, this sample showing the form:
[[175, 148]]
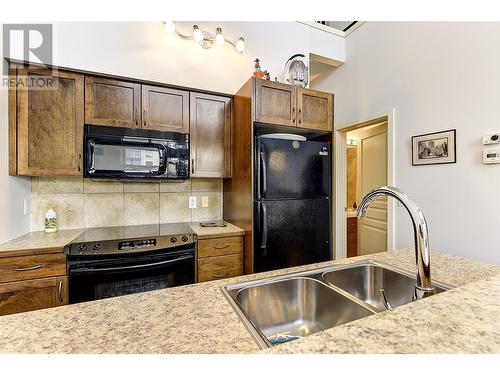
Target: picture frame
[[434, 148]]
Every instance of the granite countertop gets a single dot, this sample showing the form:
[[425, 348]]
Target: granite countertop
[[198, 319], [42, 243]]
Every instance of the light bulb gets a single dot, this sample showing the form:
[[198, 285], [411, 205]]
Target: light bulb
[[169, 27], [197, 34], [219, 38], [240, 44]]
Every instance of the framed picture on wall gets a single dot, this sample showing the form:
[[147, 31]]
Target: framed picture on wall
[[434, 148]]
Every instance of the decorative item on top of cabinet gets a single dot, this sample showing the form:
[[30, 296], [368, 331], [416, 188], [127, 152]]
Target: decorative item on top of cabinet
[[315, 109], [112, 102], [219, 258], [46, 125], [210, 129], [165, 109], [275, 103]]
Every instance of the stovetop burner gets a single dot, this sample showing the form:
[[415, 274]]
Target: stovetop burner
[[130, 239]]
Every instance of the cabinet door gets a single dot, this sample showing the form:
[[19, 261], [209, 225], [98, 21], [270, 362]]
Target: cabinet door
[[165, 109], [221, 267], [210, 131], [275, 103], [315, 109], [50, 124], [30, 295], [112, 103]]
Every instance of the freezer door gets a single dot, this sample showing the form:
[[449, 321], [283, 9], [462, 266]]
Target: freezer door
[[291, 233], [292, 169]]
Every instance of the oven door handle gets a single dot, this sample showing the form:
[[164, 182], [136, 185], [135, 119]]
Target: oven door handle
[[86, 270]]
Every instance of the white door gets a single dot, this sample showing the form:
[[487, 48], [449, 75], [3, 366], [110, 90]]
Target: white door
[[372, 173]]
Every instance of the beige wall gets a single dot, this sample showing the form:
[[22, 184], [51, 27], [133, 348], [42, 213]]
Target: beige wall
[[85, 203]]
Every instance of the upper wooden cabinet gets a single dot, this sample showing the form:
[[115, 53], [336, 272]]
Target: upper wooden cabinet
[[275, 103], [111, 102], [46, 124], [165, 109], [210, 129], [282, 104], [315, 109]]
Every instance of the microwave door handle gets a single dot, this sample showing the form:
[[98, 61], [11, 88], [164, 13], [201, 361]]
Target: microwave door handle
[[87, 270], [162, 153], [91, 144]]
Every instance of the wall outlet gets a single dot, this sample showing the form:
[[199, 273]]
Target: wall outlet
[[204, 201], [192, 202]]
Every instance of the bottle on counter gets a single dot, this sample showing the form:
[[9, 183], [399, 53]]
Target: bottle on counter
[[51, 221]]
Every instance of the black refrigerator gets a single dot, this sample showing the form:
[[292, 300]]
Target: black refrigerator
[[292, 203]]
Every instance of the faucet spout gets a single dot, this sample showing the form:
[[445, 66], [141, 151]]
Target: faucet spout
[[423, 287]]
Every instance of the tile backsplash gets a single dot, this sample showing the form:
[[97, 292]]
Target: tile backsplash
[[87, 203]]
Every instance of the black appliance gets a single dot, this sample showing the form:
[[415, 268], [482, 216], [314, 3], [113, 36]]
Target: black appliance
[[128, 153], [292, 203], [110, 262]]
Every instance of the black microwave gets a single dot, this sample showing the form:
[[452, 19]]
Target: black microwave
[[128, 153]]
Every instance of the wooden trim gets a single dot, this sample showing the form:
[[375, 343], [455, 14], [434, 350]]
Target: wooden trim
[[25, 252], [89, 102], [12, 99]]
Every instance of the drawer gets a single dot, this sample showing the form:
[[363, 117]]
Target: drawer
[[220, 246], [32, 267], [216, 268]]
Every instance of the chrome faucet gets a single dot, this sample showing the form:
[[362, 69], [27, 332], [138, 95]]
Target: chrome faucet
[[423, 287]]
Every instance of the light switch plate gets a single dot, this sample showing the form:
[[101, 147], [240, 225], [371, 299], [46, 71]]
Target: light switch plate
[[204, 201], [192, 202]]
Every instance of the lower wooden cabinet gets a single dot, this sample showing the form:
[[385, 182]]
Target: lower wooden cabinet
[[220, 258], [21, 296]]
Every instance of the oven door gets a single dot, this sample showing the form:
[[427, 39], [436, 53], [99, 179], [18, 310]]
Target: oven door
[[92, 279], [124, 158]]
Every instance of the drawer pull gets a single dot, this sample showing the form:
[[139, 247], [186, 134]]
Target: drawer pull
[[30, 268], [59, 291], [221, 247], [221, 276]]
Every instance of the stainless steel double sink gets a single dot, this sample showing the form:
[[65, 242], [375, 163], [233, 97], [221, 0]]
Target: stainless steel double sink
[[284, 308]]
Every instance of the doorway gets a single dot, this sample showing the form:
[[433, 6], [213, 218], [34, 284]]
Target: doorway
[[363, 161]]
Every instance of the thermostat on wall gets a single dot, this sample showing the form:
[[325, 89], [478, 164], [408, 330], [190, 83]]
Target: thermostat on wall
[[491, 156], [491, 139]]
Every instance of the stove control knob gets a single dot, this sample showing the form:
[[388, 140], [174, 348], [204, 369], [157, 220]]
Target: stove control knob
[[173, 239], [81, 248], [96, 247], [184, 238]]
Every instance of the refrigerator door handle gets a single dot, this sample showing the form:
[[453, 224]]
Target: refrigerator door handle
[[263, 173], [263, 230]]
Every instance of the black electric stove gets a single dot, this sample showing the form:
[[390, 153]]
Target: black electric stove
[[114, 261]]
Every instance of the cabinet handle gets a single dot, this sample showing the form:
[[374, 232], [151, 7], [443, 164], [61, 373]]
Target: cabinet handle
[[221, 276], [30, 268], [144, 118], [59, 291], [79, 162], [300, 116], [136, 117], [221, 247], [192, 165], [293, 114]]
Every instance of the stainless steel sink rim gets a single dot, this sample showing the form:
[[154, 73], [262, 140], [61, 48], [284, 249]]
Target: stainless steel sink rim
[[231, 291]]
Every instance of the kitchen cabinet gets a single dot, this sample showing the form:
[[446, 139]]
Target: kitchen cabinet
[[31, 295], [210, 129], [32, 282], [315, 109], [282, 104], [112, 102], [165, 109], [220, 258], [46, 123]]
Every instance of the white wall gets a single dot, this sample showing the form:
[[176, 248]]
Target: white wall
[[142, 50], [13, 190], [437, 76]]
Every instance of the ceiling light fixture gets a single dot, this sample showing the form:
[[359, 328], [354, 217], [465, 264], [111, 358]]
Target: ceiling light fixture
[[203, 38]]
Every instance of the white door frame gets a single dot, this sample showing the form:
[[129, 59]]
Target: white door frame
[[340, 180]]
